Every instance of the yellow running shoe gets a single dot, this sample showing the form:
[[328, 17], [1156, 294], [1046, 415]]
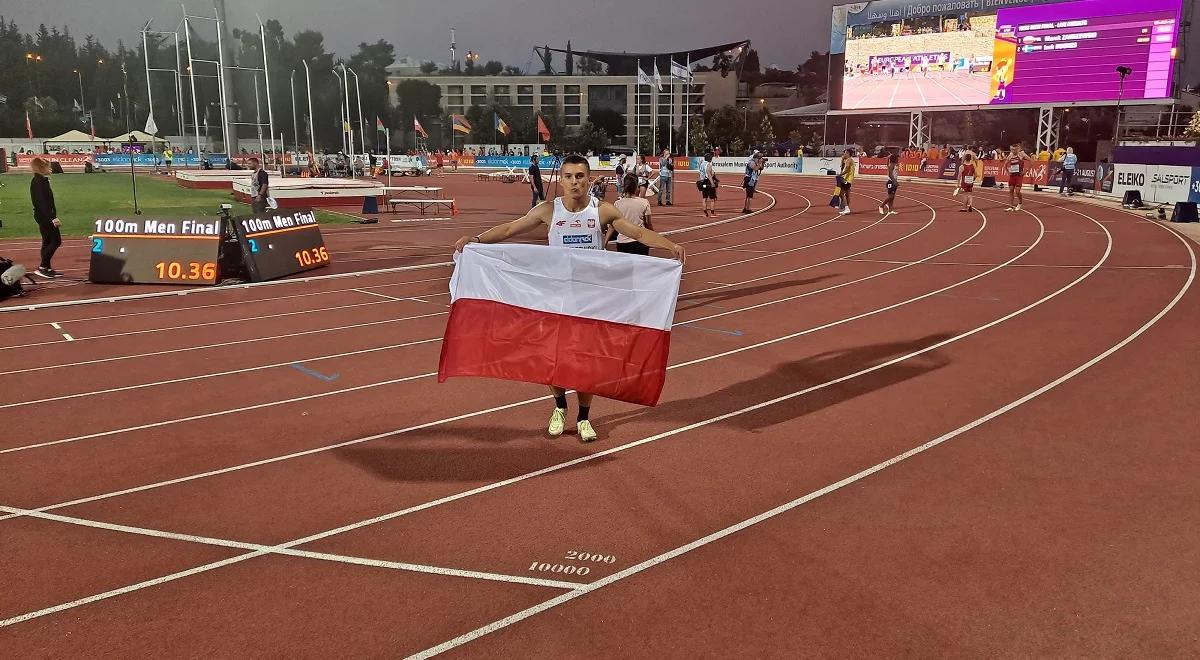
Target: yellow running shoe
[[558, 421], [586, 432]]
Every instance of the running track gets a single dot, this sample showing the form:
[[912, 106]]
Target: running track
[[935, 434]]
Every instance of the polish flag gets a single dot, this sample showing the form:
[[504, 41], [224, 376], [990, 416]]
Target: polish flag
[[589, 320]]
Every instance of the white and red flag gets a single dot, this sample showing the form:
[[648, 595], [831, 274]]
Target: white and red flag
[[589, 320]]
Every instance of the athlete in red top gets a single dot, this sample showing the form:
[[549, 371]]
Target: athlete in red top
[[1015, 165], [966, 181]]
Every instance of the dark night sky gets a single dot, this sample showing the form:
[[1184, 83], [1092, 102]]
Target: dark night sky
[[505, 30], [783, 31]]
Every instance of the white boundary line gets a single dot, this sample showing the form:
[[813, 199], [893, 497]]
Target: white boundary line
[[219, 345], [281, 550], [858, 476], [267, 404], [485, 411], [169, 310], [534, 610], [315, 278]]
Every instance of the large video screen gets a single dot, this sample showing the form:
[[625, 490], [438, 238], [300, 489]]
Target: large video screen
[[907, 54]]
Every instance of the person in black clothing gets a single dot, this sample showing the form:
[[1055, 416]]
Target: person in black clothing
[[45, 214], [261, 189], [535, 182]]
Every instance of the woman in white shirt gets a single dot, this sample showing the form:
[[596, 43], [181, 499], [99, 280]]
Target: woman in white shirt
[[643, 175], [635, 209]]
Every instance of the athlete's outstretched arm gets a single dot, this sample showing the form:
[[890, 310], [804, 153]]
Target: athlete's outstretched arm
[[609, 215], [536, 216]]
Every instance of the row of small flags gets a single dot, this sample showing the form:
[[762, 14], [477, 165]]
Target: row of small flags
[[678, 72], [461, 125]]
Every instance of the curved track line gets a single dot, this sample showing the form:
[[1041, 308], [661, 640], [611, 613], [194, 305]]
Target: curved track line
[[596, 585], [858, 476], [392, 381]]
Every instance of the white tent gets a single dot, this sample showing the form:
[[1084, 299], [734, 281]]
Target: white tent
[[138, 136], [73, 136]]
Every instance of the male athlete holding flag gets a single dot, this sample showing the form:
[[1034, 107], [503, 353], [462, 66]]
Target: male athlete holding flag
[[574, 221]]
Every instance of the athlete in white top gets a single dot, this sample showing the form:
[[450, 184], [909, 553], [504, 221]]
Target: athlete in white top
[[574, 220]]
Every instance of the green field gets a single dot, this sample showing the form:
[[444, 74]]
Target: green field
[[81, 198]]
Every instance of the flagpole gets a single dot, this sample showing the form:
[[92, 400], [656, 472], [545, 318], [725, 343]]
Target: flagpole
[[388, 137], [687, 115], [637, 113]]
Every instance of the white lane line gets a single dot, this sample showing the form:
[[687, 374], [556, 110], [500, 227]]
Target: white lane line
[[202, 290], [412, 298], [402, 431], [783, 508], [554, 468], [219, 345], [217, 374], [319, 278], [282, 550], [267, 404], [69, 337], [169, 310], [206, 324], [56, 326]]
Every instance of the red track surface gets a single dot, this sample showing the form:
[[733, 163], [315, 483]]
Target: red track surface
[[937, 434]]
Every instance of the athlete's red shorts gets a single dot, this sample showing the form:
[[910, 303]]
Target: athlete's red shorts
[[1015, 180]]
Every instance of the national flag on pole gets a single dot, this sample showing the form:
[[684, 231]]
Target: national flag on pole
[[77, 107], [657, 77], [680, 72], [502, 126], [543, 132], [151, 127], [28, 126], [590, 320], [644, 78], [460, 124], [92, 121], [346, 127], [419, 129], [379, 125]]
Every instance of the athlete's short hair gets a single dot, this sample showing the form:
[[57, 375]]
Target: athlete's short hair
[[576, 159]]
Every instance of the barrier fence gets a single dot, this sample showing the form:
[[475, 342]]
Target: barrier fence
[[1163, 184]]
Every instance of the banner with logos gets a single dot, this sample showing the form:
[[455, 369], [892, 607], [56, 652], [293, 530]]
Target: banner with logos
[[1157, 183]]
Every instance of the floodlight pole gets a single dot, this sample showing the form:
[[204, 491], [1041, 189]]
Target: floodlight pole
[[362, 125], [262, 31], [312, 136], [129, 132]]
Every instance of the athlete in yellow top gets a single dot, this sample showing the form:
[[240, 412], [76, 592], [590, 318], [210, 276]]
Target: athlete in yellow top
[[845, 179]]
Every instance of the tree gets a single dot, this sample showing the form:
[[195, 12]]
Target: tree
[[469, 66], [416, 98], [493, 68], [510, 70], [586, 137], [428, 68], [766, 132], [610, 121], [590, 66], [726, 124]]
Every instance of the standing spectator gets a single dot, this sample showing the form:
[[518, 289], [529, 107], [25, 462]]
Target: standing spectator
[[440, 164], [45, 213], [620, 171], [707, 183], [1069, 161], [535, 182], [666, 176], [635, 209], [261, 189], [168, 156], [750, 180]]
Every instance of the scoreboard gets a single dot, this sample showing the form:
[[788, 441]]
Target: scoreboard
[[155, 251], [277, 244]]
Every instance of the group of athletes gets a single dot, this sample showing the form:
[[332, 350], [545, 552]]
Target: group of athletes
[[579, 219]]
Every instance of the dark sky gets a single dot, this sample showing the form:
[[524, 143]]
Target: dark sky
[[505, 29]]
